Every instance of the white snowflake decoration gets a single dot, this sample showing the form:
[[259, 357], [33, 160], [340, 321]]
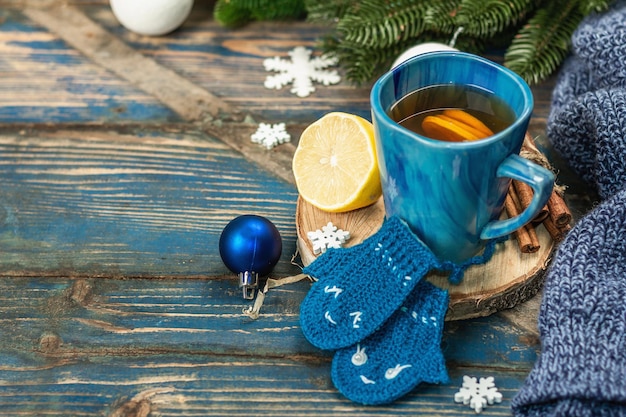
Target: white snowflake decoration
[[328, 237], [302, 70], [270, 135], [478, 393]]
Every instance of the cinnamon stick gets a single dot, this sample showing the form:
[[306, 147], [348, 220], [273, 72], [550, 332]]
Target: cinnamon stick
[[526, 236], [559, 217], [559, 212], [525, 194], [556, 233]]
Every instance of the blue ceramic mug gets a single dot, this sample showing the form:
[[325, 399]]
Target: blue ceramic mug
[[452, 193]]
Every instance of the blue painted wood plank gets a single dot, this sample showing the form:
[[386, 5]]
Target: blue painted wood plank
[[137, 204], [105, 316], [184, 385], [44, 80], [229, 63]]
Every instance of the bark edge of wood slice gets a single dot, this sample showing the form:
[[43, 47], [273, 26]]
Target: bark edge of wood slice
[[509, 278]]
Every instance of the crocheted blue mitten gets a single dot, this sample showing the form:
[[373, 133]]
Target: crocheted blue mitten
[[403, 353], [582, 323], [360, 287]]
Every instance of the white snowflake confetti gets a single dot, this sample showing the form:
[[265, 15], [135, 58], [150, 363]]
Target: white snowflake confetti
[[478, 393], [270, 135], [328, 237], [302, 70]]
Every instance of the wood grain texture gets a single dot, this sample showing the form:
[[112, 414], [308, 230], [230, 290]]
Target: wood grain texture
[[45, 80], [61, 319], [217, 386], [181, 95], [98, 346], [99, 203]]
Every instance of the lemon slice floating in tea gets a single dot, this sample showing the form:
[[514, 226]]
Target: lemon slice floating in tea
[[335, 164], [456, 126]]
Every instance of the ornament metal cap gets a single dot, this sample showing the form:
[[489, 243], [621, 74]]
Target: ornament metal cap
[[249, 281]]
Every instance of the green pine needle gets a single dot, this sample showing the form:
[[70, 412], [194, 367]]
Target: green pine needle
[[236, 13], [377, 24], [543, 43], [591, 6], [230, 15], [441, 16], [486, 18], [328, 11]]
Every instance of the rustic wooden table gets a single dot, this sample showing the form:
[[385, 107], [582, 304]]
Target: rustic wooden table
[[122, 157]]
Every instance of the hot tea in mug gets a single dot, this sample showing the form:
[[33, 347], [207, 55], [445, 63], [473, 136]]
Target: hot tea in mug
[[451, 194], [452, 112]]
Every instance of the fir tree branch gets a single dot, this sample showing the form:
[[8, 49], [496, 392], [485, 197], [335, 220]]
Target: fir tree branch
[[543, 43], [486, 18], [230, 15], [328, 11], [380, 23], [589, 6], [368, 35], [441, 16], [278, 9], [235, 13], [364, 65]]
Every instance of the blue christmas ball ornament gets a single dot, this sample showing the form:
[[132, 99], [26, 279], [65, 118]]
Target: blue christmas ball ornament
[[250, 246]]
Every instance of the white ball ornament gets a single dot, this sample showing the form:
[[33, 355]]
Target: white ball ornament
[[151, 17], [421, 49]]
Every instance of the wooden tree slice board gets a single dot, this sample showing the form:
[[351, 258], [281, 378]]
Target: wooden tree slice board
[[509, 278]]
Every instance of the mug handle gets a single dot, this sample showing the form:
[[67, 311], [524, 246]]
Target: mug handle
[[540, 179]]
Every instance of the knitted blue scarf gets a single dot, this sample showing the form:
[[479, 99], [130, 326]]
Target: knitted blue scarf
[[582, 321]]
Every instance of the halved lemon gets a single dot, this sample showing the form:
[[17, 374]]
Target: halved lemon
[[335, 164]]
